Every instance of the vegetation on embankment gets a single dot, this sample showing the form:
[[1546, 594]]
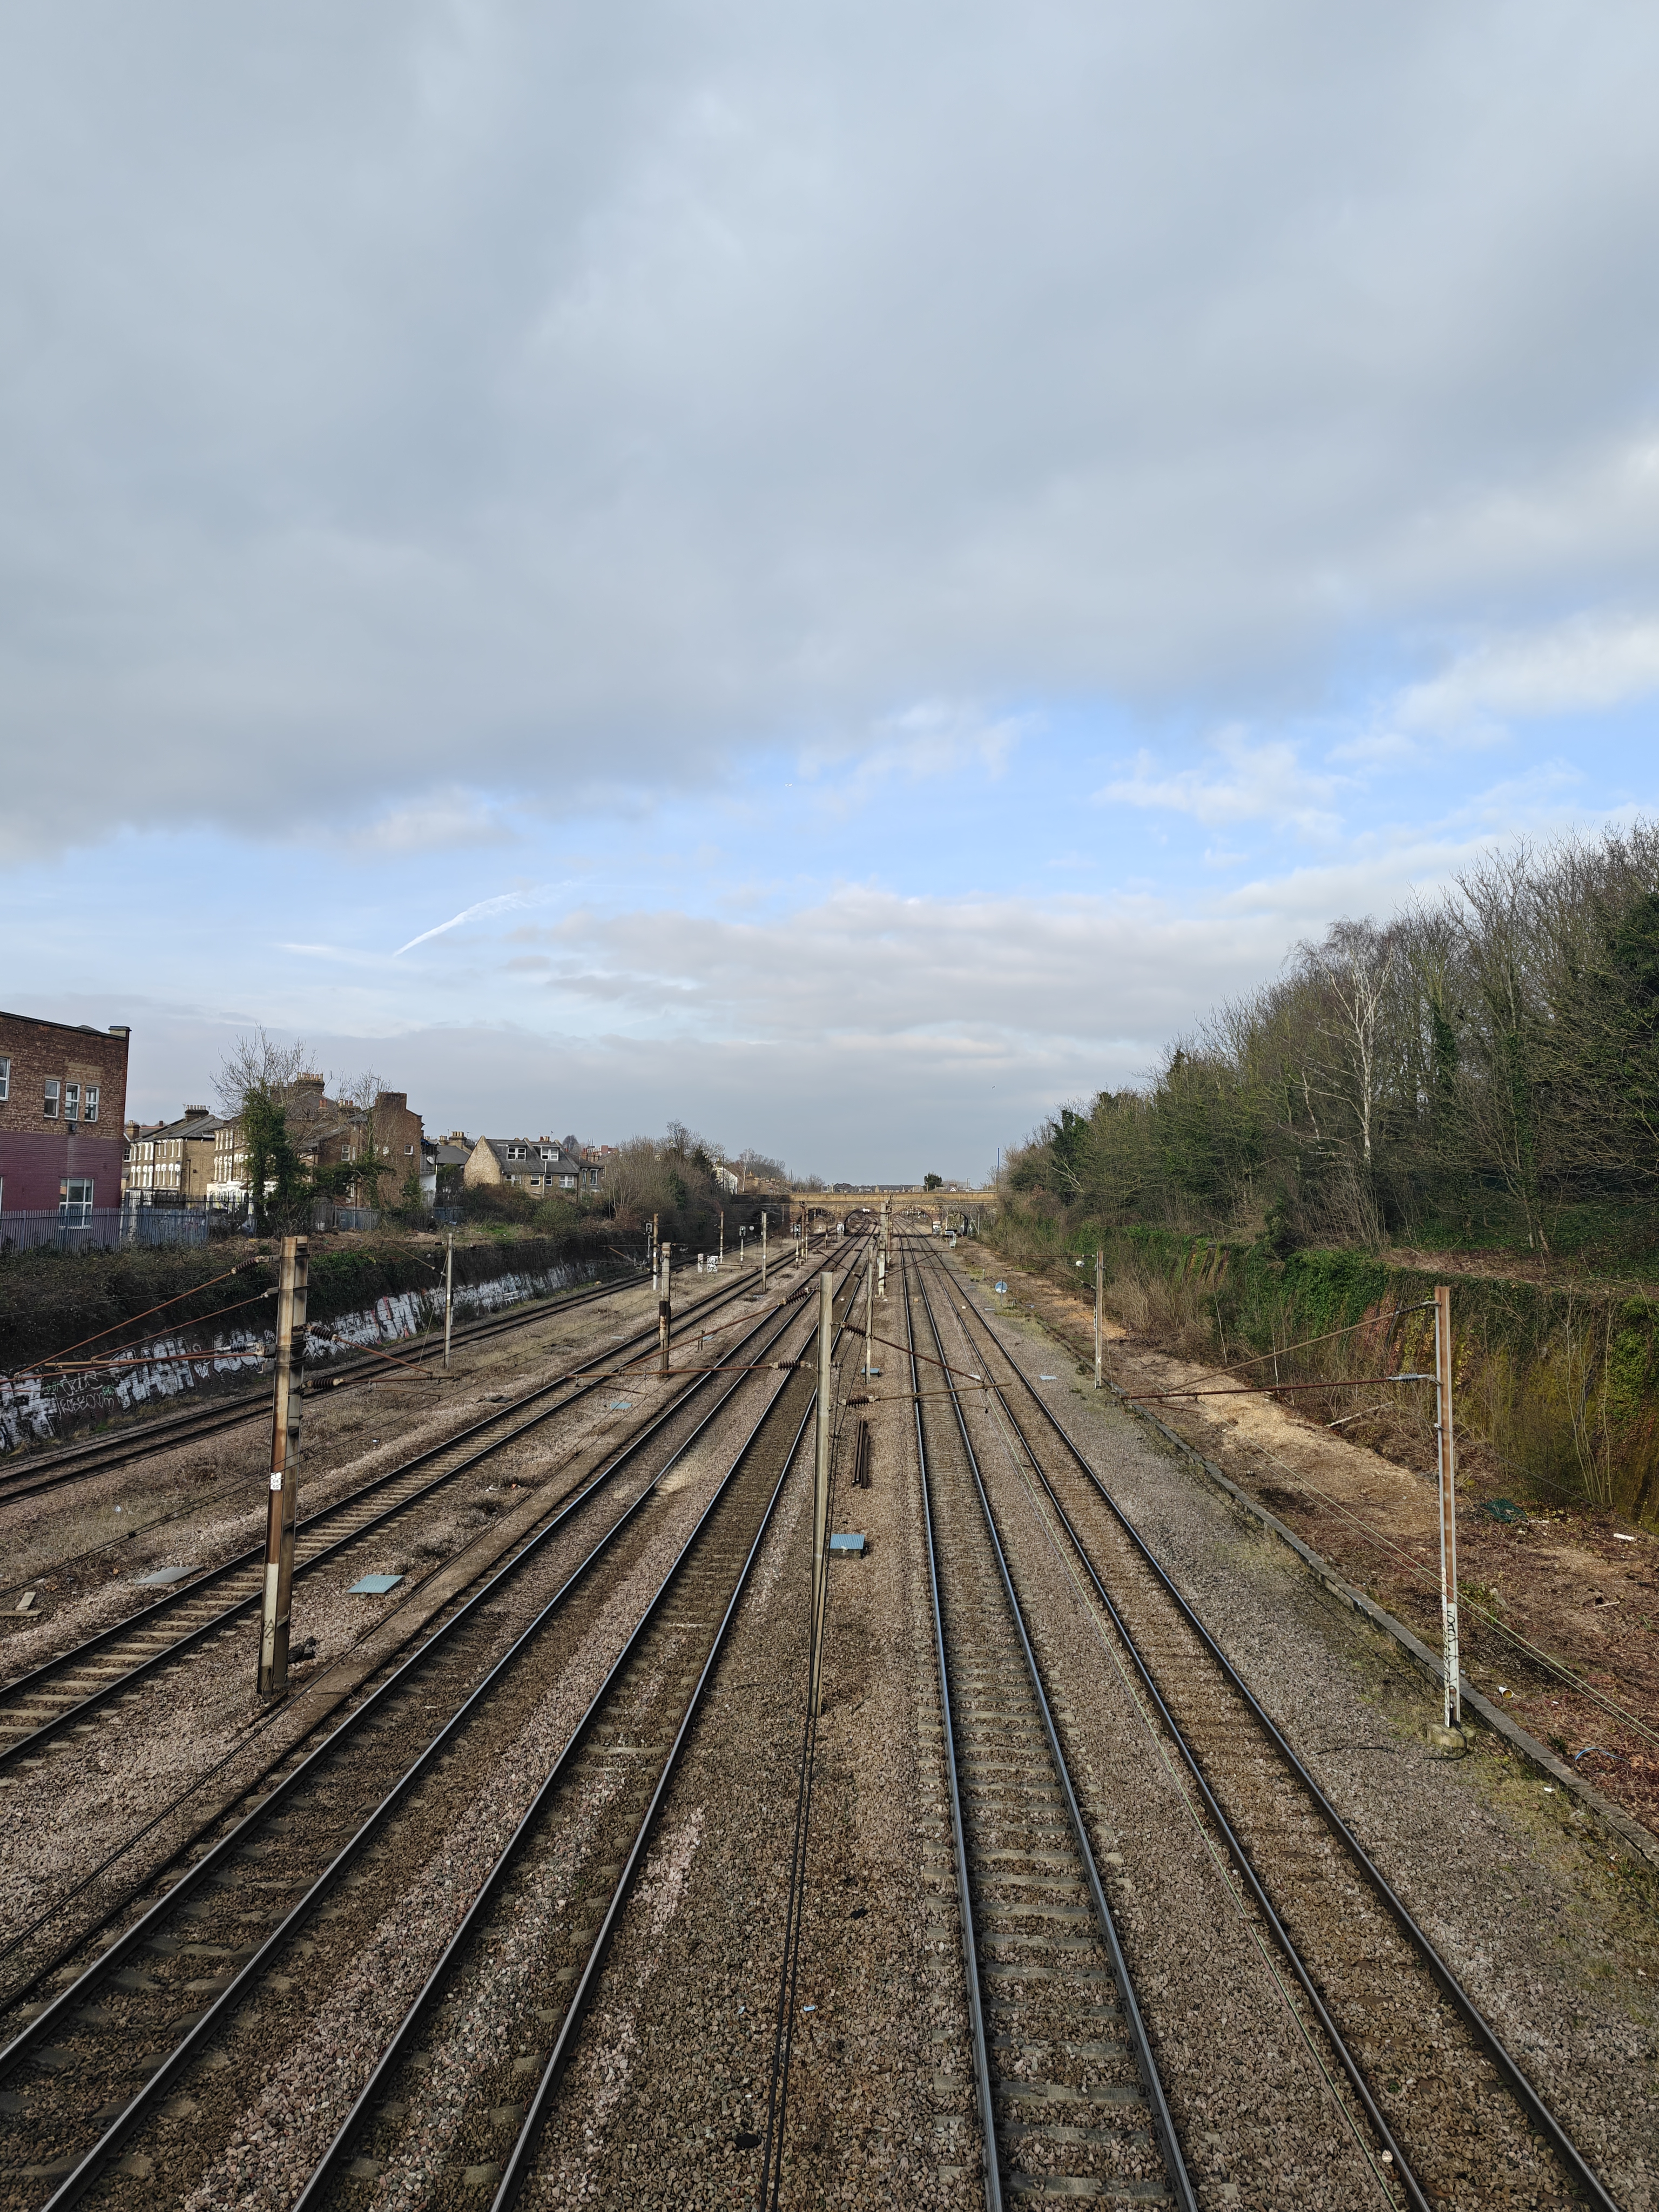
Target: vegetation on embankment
[[51, 1300], [1556, 1382], [1478, 1075]]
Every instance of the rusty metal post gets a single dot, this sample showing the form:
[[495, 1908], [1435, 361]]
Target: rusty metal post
[[449, 1294], [1100, 1306], [827, 1286], [664, 1254], [1446, 1456], [284, 1473]]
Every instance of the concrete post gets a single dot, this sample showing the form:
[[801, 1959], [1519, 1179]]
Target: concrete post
[[1447, 1458], [1100, 1307], [449, 1294], [827, 1286], [284, 1473], [664, 1315]]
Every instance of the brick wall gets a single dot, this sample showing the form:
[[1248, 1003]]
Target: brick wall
[[38, 1149]]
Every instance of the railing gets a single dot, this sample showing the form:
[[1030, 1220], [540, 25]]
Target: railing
[[168, 1224], [78, 1231]]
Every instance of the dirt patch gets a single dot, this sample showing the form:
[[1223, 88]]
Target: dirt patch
[[1568, 1587]]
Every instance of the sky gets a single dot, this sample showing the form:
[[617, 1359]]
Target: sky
[[837, 574]]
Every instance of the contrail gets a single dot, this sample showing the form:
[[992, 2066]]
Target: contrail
[[470, 913]]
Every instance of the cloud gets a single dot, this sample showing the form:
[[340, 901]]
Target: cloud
[[462, 408], [1590, 663], [1258, 781]]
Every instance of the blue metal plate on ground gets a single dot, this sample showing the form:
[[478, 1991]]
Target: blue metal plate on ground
[[848, 1543], [374, 1585]]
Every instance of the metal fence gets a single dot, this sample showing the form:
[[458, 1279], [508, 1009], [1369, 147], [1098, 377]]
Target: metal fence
[[168, 1224], [77, 1232]]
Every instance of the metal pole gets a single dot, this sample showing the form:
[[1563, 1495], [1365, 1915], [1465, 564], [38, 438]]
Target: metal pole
[[763, 1248], [664, 1254], [869, 1312], [1447, 1457], [449, 1293], [284, 1473], [722, 1237], [1100, 1303], [827, 1285]]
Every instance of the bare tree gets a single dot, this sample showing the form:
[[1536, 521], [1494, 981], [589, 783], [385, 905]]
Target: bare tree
[[258, 1063]]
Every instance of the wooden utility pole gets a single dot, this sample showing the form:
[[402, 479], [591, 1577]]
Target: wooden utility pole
[[284, 1473], [664, 1254], [1100, 1307], [1447, 1458], [827, 1286], [449, 1293]]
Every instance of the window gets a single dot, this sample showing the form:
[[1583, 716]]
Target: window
[[409, 1148], [6, 1080], [74, 1201], [71, 1102], [89, 1110], [49, 1105], [515, 1152]]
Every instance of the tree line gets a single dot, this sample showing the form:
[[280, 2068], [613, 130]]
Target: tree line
[[1484, 1068]]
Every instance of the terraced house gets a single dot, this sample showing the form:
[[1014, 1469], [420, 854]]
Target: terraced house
[[542, 1166], [172, 1162], [63, 1094], [330, 1132]]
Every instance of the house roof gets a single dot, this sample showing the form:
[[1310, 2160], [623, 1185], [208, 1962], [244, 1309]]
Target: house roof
[[198, 1122]]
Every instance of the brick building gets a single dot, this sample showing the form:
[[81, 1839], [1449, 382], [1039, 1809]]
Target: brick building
[[327, 1132], [62, 1098], [171, 1163]]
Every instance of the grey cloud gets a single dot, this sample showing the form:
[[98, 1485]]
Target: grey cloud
[[447, 399]]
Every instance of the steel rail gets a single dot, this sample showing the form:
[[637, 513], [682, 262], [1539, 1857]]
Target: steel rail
[[1396, 2156], [70, 2000], [1174, 2163], [585, 1492], [983, 2095], [207, 1421], [1517, 2082], [36, 1683], [24, 1473], [50, 1965], [327, 2172]]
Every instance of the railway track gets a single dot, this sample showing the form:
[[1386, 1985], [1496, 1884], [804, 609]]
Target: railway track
[[39, 1709], [25, 1474], [1455, 2119], [295, 1894], [1062, 2076]]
